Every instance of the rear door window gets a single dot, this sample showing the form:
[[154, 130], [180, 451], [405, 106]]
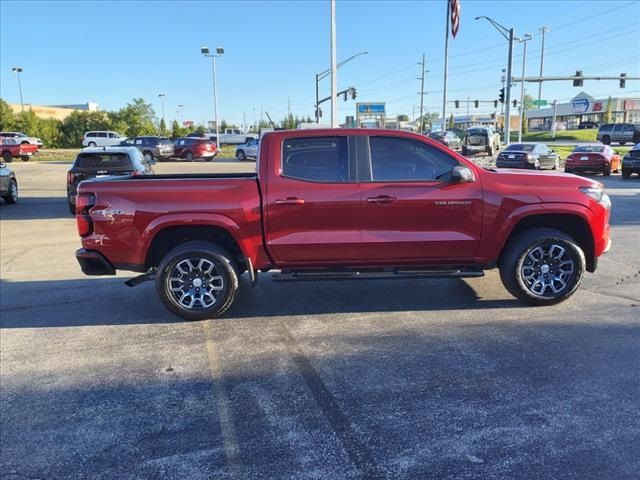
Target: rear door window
[[316, 159]]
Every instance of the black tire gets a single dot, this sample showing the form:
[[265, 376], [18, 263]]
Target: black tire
[[567, 170], [240, 155], [520, 251], [621, 143], [24, 142], [606, 171], [25, 158], [626, 174], [92, 144], [7, 157], [490, 151], [189, 157], [197, 251], [72, 207], [464, 150], [12, 195], [606, 140], [148, 156]]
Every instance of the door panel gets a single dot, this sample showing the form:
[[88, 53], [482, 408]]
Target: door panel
[[313, 205], [417, 221]]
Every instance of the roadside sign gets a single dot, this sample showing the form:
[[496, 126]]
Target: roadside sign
[[540, 103], [370, 108]]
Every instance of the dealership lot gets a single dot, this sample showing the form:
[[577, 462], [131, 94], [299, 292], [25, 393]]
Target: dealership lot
[[405, 379]]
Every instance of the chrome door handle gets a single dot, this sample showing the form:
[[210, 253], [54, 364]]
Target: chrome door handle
[[290, 201], [381, 199]]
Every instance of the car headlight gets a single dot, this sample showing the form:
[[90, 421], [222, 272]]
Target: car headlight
[[529, 158], [598, 194]]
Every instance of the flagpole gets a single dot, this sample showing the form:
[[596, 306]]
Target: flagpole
[[446, 65]]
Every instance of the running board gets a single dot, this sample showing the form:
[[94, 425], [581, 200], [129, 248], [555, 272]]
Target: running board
[[302, 276], [145, 277]]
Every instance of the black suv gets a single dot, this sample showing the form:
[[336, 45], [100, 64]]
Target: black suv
[[619, 132], [631, 162], [588, 124], [152, 148], [94, 162]]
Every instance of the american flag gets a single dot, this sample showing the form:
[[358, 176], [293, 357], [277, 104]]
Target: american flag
[[455, 16]]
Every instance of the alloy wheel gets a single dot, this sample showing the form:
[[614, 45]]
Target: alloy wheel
[[547, 270], [195, 284]]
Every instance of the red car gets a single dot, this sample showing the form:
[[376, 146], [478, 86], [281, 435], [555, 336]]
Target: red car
[[10, 149], [593, 158], [344, 203], [191, 148]]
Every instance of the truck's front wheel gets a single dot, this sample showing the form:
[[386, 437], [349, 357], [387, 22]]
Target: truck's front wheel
[[542, 266], [197, 280]]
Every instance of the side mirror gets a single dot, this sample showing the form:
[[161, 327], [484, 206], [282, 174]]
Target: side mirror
[[461, 174]]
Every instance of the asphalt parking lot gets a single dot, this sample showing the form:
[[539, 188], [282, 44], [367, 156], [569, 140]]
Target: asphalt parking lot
[[438, 379]]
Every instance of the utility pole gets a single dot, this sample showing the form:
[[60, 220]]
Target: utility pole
[[468, 122], [334, 68], [543, 30], [422, 93], [524, 40], [18, 71], [502, 106], [446, 66]]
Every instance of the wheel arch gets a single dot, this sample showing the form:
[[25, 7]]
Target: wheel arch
[[574, 225]]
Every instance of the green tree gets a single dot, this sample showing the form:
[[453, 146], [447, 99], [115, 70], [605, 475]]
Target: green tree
[[200, 129], [403, 118], [137, 118], [608, 114], [6, 116], [525, 127], [73, 127], [528, 102], [163, 127]]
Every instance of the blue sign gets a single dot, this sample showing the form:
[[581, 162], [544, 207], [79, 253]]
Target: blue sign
[[371, 108], [580, 105]]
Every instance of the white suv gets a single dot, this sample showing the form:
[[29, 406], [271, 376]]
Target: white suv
[[102, 138]]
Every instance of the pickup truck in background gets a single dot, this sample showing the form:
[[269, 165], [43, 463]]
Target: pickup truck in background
[[341, 204], [229, 136], [11, 148]]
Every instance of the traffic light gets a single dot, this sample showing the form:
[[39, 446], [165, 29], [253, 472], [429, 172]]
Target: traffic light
[[578, 81], [354, 93], [495, 104], [501, 96], [456, 104], [345, 96], [623, 80], [515, 103], [476, 103], [319, 112]]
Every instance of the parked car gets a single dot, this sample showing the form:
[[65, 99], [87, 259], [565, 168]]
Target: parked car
[[528, 155], [593, 158], [248, 150], [587, 125], [152, 148], [619, 132], [11, 148], [631, 162], [447, 138], [22, 138], [8, 184], [191, 148], [344, 203], [95, 162], [102, 138], [481, 139]]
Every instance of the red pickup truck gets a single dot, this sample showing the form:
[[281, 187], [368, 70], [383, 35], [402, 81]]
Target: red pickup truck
[[10, 149], [338, 204]]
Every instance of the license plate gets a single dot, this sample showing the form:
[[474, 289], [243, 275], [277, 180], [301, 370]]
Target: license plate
[[512, 156], [584, 158]]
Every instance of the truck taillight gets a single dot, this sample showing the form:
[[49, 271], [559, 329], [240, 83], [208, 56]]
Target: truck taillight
[[70, 177], [84, 202]]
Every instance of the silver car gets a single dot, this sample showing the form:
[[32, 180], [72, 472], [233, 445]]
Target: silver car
[[248, 150], [528, 155], [8, 184], [619, 132]]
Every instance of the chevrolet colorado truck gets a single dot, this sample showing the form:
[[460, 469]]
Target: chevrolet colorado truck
[[343, 204]]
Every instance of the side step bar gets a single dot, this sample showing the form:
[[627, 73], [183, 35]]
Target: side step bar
[[397, 273]]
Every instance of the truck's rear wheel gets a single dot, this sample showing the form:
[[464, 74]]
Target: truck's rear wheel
[[197, 280], [542, 266], [6, 156]]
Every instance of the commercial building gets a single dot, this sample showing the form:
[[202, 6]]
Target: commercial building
[[582, 108], [59, 112]]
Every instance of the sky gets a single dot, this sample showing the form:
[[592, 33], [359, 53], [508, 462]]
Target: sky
[[109, 52]]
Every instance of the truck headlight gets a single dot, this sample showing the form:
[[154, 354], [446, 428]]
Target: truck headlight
[[598, 195]]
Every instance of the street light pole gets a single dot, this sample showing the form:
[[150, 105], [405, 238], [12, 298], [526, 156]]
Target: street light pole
[[18, 70], [543, 30], [334, 68], [321, 75], [161, 96], [181, 107], [219, 53], [509, 35], [524, 40], [503, 79]]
